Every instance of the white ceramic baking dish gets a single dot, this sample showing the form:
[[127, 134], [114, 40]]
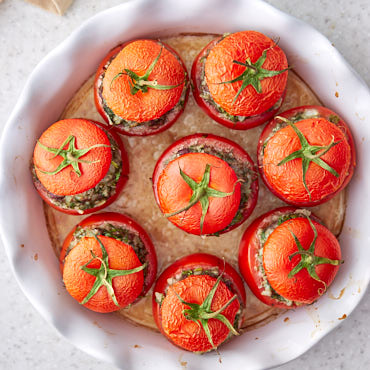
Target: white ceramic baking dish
[[53, 83]]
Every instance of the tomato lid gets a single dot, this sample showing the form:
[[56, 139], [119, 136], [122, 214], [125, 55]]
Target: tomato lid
[[179, 185], [117, 261], [327, 159], [197, 289], [301, 259], [231, 78], [72, 156], [144, 81]]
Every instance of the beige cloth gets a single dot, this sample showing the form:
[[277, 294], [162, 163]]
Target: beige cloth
[[55, 6]]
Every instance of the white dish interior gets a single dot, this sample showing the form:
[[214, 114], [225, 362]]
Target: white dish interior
[[53, 83]]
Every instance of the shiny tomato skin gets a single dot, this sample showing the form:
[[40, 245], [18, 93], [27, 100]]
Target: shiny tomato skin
[[127, 223], [323, 113], [119, 186], [211, 111], [174, 193], [141, 131], [190, 262], [219, 143]]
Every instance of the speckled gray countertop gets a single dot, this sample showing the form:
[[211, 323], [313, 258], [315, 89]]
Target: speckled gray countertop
[[27, 34]]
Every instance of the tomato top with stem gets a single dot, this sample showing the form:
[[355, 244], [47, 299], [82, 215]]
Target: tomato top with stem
[[126, 223], [103, 274], [246, 73], [230, 285], [298, 253], [200, 193], [306, 156], [72, 156], [143, 81]]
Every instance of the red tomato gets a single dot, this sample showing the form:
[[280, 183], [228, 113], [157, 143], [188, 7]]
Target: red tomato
[[216, 65], [126, 223], [169, 315], [324, 129], [103, 274], [280, 257], [86, 133], [146, 108], [172, 193]]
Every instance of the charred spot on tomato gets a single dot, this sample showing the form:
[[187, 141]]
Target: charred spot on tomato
[[94, 197]]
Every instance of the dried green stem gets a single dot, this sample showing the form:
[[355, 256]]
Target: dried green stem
[[104, 275], [253, 74], [309, 260], [70, 155], [201, 193], [142, 83], [201, 313], [308, 153]]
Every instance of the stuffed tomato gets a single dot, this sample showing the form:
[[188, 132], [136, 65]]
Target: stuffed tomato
[[78, 167], [108, 261], [198, 302], [240, 79], [205, 184], [288, 258], [141, 87], [306, 155]]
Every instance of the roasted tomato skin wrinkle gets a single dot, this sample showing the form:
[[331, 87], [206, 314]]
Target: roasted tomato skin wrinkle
[[119, 186], [257, 108], [219, 144], [124, 222], [174, 193], [79, 283], [249, 264], [186, 333], [170, 98], [285, 181], [191, 262], [301, 287]]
